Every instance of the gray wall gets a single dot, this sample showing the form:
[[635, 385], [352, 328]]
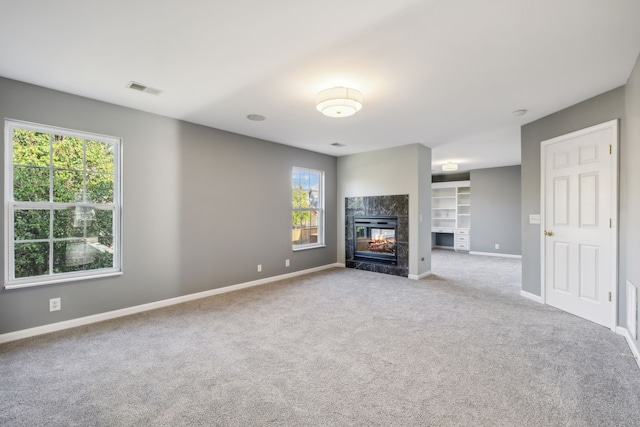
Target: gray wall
[[202, 207], [495, 210], [630, 192], [602, 108], [359, 175]]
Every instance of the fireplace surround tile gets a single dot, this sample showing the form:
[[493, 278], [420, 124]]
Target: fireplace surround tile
[[395, 205]]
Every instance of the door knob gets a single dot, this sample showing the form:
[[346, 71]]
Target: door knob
[[548, 233]]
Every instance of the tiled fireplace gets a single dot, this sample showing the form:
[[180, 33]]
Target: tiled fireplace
[[377, 234]]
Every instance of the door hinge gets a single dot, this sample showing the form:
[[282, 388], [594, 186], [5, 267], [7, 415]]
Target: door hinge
[[610, 148], [609, 296]]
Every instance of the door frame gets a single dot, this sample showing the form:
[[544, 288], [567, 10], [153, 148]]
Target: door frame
[[614, 126]]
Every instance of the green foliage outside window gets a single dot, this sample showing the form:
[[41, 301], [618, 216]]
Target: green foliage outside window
[[67, 186], [300, 200], [306, 195]]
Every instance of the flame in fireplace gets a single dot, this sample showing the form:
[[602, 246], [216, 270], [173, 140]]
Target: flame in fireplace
[[380, 243]]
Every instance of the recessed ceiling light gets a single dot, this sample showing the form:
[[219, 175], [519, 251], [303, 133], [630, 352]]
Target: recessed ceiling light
[[143, 88], [519, 113], [337, 144], [256, 117]]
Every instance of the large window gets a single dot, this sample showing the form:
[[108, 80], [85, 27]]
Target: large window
[[62, 205], [307, 216]]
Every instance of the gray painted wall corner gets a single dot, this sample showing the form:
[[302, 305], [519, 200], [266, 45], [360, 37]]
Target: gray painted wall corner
[[495, 210], [202, 207]]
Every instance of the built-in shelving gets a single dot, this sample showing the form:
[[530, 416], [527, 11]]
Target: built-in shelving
[[451, 212]]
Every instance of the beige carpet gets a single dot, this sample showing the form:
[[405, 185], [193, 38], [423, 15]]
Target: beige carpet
[[341, 347]]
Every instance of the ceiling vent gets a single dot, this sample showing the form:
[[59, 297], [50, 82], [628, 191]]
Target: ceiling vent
[[142, 88]]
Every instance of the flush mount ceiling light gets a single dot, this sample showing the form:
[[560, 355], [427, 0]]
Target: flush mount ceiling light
[[519, 113], [450, 166], [339, 102], [256, 117]]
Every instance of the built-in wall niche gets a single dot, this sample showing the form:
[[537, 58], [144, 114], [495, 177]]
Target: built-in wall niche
[[451, 215], [382, 243]]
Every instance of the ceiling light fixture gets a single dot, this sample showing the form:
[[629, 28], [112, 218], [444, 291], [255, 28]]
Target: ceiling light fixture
[[519, 113], [339, 102], [256, 117], [450, 166]]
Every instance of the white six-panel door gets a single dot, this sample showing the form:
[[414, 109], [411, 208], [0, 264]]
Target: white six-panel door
[[579, 238]]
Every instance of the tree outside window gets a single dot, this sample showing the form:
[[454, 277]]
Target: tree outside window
[[307, 208]]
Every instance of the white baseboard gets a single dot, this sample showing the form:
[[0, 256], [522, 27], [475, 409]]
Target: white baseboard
[[532, 297], [72, 323], [625, 333], [419, 276], [495, 254]]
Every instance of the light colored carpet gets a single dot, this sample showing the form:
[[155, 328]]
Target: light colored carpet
[[341, 347]]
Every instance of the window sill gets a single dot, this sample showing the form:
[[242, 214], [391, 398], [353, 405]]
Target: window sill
[[31, 283], [304, 248]]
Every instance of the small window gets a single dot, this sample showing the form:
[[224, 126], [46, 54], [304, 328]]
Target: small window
[[62, 199], [307, 201]]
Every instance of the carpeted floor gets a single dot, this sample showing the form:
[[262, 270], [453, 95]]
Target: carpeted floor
[[341, 347]]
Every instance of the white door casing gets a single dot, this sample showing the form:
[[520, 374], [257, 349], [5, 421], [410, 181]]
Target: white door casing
[[579, 226]]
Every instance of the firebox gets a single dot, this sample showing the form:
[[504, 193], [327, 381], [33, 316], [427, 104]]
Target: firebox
[[375, 239]]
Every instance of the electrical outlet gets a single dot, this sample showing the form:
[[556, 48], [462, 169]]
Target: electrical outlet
[[497, 245], [286, 263], [259, 268], [54, 304]]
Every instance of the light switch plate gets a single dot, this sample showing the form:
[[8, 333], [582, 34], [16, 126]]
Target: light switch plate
[[534, 219]]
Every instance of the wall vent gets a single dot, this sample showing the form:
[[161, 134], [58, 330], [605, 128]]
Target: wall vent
[[632, 310], [142, 88]]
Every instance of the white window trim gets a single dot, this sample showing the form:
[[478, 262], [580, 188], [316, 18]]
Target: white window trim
[[321, 236], [10, 282]]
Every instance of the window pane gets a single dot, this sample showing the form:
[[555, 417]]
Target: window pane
[[69, 256], [101, 224], [31, 224], [82, 255], [304, 181], [67, 186], [30, 184], [68, 152], [31, 259], [99, 188], [102, 253], [100, 156], [295, 179], [314, 198], [305, 236], [30, 148], [300, 198], [66, 224]]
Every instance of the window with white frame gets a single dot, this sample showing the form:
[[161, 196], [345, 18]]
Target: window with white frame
[[307, 201], [62, 205]]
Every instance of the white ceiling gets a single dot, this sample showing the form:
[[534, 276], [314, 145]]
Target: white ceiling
[[443, 73]]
